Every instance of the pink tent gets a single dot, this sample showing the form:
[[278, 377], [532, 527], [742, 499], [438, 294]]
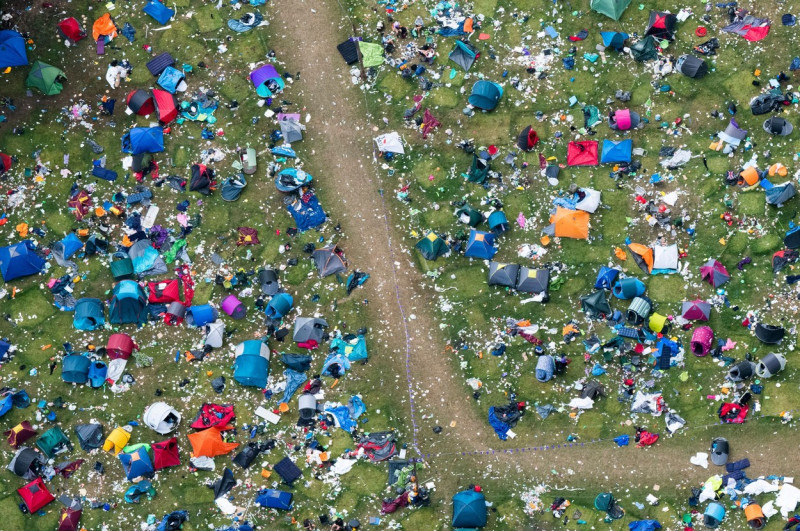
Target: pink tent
[[120, 346], [234, 307], [696, 310], [702, 338], [623, 118], [714, 273]]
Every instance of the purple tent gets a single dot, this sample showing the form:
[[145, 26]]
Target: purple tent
[[696, 310], [234, 307], [702, 338], [262, 75], [714, 273]]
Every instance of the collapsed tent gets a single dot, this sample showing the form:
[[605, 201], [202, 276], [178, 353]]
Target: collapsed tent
[[485, 95], [20, 260], [290, 179], [209, 443], [13, 51], [213, 415], [329, 261], [143, 140], [71, 30], [610, 8], [464, 54], [623, 120], [19, 434], [616, 151], [251, 363], [46, 78], [371, 54], [128, 303], [202, 179], [104, 29], [390, 143], [307, 212], [27, 463], [749, 28], [161, 13], [309, 328], [479, 170], [692, 66], [614, 39], [778, 126], [769, 334], [645, 49], [583, 153], [661, 25], [595, 305], [274, 499], [5, 163]]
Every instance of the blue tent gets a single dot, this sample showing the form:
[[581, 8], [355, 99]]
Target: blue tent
[[498, 223], [158, 11], [485, 95], [307, 213], [714, 515], [614, 39], [606, 277], [137, 463], [279, 305], [143, 140], [616, 151], [98, 371], [355, 349], [251, 365], [469, 509], [545, 367], [75, 369], [70, 245], [480, 245], [19, 260], [628, 288], [9, 399], [88, 314], [128, 304], [644, 525], [170, 78], [274, 499], [12, 49], [201, 315]]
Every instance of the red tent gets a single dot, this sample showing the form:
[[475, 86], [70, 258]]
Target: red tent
[[81, 203], [166, 105], [140, 102], [5, 163], [582, 153], [35, 495], [164, 291], [120, 346], [70, 519], [20, 433], [165, 454], [213, 415], [71, 29]]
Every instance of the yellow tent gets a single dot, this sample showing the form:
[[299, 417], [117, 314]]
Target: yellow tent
[[117, 439]]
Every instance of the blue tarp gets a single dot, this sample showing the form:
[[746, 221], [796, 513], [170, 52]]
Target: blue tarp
[[274, 499], [294, 380], [644, 525], [347, 416], [480, 245], [616, 151], [143, 140], [158, 11], [500, 427], [19, 260], [307, 212], [12, 49]]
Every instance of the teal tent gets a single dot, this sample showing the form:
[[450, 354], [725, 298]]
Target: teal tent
[[478, 171], [88, 314], [464, 55], [469, 509], [432, 246], [485, 95], [251, 364], [610, 8], [75, 369], [53, 442], [128, 304]]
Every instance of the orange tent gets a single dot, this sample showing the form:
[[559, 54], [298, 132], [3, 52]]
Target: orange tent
[[209, 443], [571, 223], [749, 176], [104, 26], [643, 256]]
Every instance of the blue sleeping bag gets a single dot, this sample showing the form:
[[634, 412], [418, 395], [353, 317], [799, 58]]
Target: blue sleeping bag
[[104, 173]]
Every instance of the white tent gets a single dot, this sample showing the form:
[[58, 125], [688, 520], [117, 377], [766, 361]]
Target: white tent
[[161, 417], [665, 257], [590, 202], [390, 143], [215, 334]]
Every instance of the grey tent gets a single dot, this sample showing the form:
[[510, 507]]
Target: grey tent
[[307, 328], [644, 49], [742, 371], [778, 126], [328, 261], [595, 305], [639, 310], [292, 130], [90, 436], [268, 280], [464, 55], [501, 274], [533, 280], [232, 187], [767, 102], [769, 334], [692, 66], [26, 463], [593, 390], [770, 365], [779, 194], [733, 134]]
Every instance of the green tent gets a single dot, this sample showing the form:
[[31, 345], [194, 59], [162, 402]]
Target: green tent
[[53, 442], [610, 8], [371, 53], [479, 170], [644, 49], [470, 216], [432, 246], [46, 79]]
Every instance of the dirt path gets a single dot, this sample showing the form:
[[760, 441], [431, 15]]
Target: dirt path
[[341, 135]]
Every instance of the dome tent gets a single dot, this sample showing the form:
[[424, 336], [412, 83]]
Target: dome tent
[[610, 8], [201, 315], [161, 417], [88, 314], [480, 245], [309, 328], [696, 310], [46, 78], [501, 274], [469, 509], [128, 304], [137, 463], [692, 66], [70, 29], [27, 463], [20, 260], [485, 95], [251, 364], [431, 247], [35, 495], [13, 51], [140, 102]]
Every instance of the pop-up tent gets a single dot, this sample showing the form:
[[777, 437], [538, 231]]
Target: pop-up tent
[[702, 339], [328, 261], [469, 509], [464, 55], [714, 273], [692, 66], [480, 245], [606, 277], [566, 223], [501, 274], [616, 151], [20, 260], [140, 102], [75, 369], [769, 334], [778, 126], [485, 95], [71, 30], [172, 80], [696, 310], [713, 516], [165, 105], [665, 259], [614, 39], [143, 140], [583, 153], [120, 346], [137, 464], [27, 463], [623, 119], [88, 314], [279, 305], [770, 365], [610, 8], [104, 28], [628, 288], [432, 246], [661, 25], [46, 78], [128, 303], [266, 80], [527, 139], [309, 328], [5, 163], [251, 363], [53, 442], [12, 49], [161, 417], [161, 13], [35, 495]]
